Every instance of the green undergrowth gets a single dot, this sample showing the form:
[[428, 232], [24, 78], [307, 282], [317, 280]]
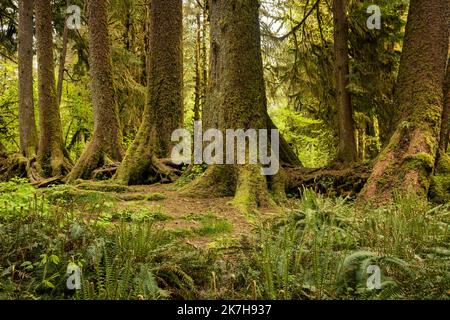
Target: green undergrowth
[[321, 248]]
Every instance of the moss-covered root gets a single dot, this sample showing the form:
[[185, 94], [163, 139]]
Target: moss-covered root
[[251, 190], [440, 183], [216, 181], [53, 164], [406, 165], [143, 168], [94, 157]]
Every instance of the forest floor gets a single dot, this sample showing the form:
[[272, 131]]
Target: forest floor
[[149, 242], [202, 221]]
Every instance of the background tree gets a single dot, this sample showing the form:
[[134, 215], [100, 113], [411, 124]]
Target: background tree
[[164, 108], [106, 143], [347, 144], [51, 154], [408, 161], [445, 129], [27, 120]]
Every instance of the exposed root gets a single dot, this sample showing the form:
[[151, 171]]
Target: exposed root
[[251, 190], [13, 166], [96, 155], [136, 170], [345, 182], [216, 181]]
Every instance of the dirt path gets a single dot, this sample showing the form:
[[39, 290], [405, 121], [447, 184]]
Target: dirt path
[[202, 222]]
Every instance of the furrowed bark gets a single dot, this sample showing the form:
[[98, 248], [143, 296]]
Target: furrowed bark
[[347, 145], [52, 159], [407, 163], [236, 100], [27, 120], [105, 146], [164, 109]]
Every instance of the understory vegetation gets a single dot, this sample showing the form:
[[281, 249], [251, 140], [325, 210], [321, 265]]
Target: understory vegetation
[[320, 248], [224, 149]]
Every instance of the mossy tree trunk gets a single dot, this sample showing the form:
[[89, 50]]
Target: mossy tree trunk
[[27, 120], [445, 129], [236, 100], [52, 160], [106, 143], [198, 80], [62, 61], [407, 163], [347, 145], [164, 108]]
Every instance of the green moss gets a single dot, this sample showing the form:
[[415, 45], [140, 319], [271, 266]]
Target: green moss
[[440, 189], [155, 196], [421, 161], [103, 187], [213, 227], [443, 166]]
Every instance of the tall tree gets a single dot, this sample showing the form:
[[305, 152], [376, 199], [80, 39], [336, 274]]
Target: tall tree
[[198, 90], [62, 60], [52, 158], [27, 120], [406, 164], [347, 145], [164, 109], [236, 100], [106, 143], [445, 129]]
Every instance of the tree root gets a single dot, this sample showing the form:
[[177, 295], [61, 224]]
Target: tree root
[[345, 182], [245, 182]]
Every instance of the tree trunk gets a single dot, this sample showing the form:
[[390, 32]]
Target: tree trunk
[[106, 143], [347, 145], [445, 129], [198, 89], [51, 154], [62, 62], [27, 120], [204, 54], [236, 100], [406, 164], [164, 109]]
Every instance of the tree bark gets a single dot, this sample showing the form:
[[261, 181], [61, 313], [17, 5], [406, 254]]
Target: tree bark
[[164, 108], [27, 120], [204, 55], [106, 143], [236, 100], [198, 89], [347, 145], [51, 154], [407, 163], [445, 129], [62, 62]]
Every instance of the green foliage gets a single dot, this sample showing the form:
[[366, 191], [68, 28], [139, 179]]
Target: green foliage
[[320, 249], [120, 258], [323, 248], [210, 224], [9, 93], [308, 137]]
